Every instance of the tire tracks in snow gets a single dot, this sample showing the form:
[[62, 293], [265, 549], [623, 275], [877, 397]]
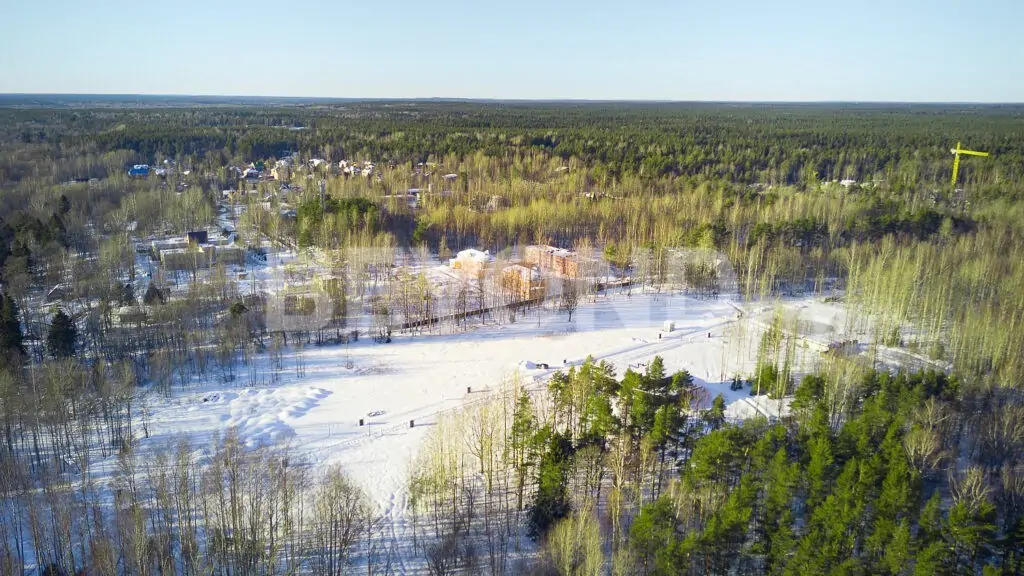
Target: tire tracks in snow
[[396, 553]]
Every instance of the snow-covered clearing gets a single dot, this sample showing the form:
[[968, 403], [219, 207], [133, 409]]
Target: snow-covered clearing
[[416, 378]]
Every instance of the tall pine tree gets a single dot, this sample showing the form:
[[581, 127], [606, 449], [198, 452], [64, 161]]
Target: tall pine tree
[[10, 328], [60, 341]]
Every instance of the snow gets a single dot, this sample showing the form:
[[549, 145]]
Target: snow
[[472, 254], [264, 417], [741, 406], [402, 389], [527, 274], [419, 378]]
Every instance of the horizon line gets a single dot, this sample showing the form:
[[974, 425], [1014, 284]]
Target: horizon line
[[102, 95]]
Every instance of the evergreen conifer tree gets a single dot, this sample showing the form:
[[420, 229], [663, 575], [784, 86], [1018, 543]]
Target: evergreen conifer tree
[[60, 341]]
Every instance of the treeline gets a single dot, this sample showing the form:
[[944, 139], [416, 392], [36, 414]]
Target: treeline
[[782, 145], [889, 489], [623, 477], [870, 473], [217, 508], [955, 300]]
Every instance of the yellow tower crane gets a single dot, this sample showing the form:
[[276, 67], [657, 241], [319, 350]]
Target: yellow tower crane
[[956, 161]]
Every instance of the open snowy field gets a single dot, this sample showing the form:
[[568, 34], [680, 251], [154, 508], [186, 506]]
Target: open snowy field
[[419, 377]]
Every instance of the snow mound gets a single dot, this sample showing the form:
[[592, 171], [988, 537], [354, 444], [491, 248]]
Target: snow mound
[[263, 417], [756, 407], [741, 410]]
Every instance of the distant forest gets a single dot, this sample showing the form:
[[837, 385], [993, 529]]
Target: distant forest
[[773, 143]]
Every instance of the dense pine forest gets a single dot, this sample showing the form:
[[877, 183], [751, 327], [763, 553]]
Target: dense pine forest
[[872, 471]]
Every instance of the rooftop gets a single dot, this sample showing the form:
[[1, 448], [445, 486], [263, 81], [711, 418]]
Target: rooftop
[[474, 254], [523, 271], [556, 251]]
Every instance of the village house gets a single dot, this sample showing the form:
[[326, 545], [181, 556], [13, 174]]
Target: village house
[[178, 259], [471, 262], [234, 255], [522, 282], [196, 251], [161, 246], [131, 314], [553, 260], [280, 173], [411, 199]]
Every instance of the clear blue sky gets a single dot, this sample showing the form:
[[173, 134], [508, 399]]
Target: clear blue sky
[[882, 50]]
